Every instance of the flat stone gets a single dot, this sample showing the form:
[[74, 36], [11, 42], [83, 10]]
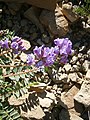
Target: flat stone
[[0, 10], [86, 65], [64, 115], [55, 22], [47, 100], [68, 12], [75, 117], [68, 98], [26, 44], [35, 113], [50, 5], [73, 77], [83, 96], [88, 75], [67, 67], [23, 57]]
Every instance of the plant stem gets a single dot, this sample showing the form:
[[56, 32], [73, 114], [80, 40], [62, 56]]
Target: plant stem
[[19, 73]]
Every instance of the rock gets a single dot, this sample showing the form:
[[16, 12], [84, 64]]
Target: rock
[[74, 59], [16, 102], [39, 41], [67, 11], [34, 36], [14, 7], [50, 5], [86, 65], [33, 15], [35, 113], [58, 78], [46, 39], [0, 10], [83, 96], [26, 44], [23, 22], [64, 115], [73, 77], [9, 23], [49, 116], [68, 98], [47, 100], [55, 22], [88, 74], [23, 57], [67, 67], [31, 109], [75, 117]]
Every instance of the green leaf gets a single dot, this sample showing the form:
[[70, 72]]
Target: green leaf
[[22, 76], [17, 77], [1, 71], [0, 118], [12, 77], [15, 70], [13, 113], [16, 116], [8, 71]]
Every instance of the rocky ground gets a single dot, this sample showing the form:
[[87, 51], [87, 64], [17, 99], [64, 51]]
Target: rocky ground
[[68, 97]]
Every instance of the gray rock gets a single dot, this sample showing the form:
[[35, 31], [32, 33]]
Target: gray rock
[[74, 59], [75, 117], [64, 115], [88, 75], [23, 22], [67, 67], [39, 41], [9, 23], [68, 98], [55, 22], [73, 77], [83, 96], [67, 10], [86, 65], [47, 100], [0, 10]]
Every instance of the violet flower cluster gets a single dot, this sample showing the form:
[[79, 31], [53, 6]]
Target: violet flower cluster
[[16, 44], [45, 56]]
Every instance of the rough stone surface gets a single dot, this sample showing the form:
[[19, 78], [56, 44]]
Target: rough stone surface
[[55, 22], [75, 117], [88, 75], [68, 98], [39, 3], [67, 11], [35, 113], [47, 100], [83, 96], [73, 77], [33, 14]]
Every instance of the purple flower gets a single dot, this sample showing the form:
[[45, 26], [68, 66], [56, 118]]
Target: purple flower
[[30, 59], [4, 44], [38, 51], [44, 55], [16, 45], [39, 64], [65, 46], [56, 50], [49, 60], [64, 59]]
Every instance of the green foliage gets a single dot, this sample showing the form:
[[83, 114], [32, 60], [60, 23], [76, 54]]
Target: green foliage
[[9, 113], [84, 9], [15, 79]]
